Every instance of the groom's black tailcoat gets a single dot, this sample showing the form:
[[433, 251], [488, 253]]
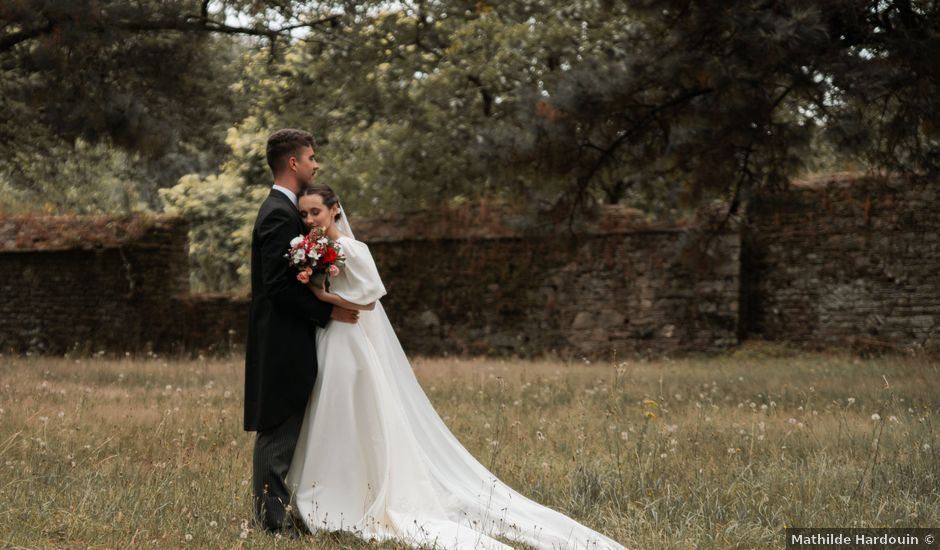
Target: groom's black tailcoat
[[281, 355]]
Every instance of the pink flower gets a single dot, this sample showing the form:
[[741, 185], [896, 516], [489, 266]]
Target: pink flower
[[303, 277], [334, 271]]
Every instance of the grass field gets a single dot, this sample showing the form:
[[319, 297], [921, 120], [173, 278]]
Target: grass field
[[717, 452]]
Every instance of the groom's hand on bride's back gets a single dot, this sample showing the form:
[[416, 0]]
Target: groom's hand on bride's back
[[344, 315]]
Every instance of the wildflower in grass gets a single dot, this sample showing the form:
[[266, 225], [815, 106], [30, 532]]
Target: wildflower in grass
[[876, 417], [649, 404]]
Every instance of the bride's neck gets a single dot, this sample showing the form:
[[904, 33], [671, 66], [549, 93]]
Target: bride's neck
[[333, 233]]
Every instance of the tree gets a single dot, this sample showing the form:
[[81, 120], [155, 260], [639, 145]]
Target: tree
[[661, 104], [150, 79], [725, 99], [562, 104], [220, 211]]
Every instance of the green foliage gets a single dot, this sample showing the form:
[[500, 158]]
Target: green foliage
[[220, 210], [404, 104], [137, 92], [554, 104], [85, 179], [658, 104]]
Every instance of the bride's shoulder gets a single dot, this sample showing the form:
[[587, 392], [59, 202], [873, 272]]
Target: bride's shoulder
[[346, 239], [350, 243]]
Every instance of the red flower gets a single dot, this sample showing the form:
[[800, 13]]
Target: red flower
[[329, 256]]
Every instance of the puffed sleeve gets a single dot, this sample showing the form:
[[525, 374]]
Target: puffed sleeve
[[360, 282]]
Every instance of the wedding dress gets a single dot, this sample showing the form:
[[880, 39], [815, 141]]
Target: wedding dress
[[374, 457]]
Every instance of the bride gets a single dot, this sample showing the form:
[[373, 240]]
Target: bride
[[374, 457]]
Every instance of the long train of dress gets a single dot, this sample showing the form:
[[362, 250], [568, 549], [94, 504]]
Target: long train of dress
[[376, 459]]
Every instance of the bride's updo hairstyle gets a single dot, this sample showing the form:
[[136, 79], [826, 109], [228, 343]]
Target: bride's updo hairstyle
[[326, 193]]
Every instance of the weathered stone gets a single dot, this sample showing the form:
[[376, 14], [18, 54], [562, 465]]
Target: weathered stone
[[583, 320], [870, 271], [429, 320], [817, 268]]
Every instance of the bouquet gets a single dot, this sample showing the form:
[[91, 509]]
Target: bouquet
[[316, 257]]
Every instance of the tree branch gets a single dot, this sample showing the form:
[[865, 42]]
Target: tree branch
[[485, 95], [200, 23], [607, 154], [627, 134], [9, 41]]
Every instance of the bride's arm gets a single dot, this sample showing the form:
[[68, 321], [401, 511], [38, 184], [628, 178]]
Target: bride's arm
[[331, 298]]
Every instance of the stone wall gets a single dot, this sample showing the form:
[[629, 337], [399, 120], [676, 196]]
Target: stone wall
[[116, 285], [845, 262], [97, 284], [594, 295], [121, 285], [851, 263]]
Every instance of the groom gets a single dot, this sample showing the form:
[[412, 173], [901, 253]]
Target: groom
[[281, 355]]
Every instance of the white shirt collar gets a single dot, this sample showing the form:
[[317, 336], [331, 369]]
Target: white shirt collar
[[290, 194]]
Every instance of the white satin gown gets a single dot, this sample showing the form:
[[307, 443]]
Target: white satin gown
[[374, 457]]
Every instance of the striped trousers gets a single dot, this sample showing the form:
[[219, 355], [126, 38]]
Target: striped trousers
[[271, 459]]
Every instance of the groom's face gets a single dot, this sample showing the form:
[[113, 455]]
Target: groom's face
[[305, 166]]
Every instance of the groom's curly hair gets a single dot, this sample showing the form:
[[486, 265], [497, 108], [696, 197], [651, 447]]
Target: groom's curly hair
[[285, 143]]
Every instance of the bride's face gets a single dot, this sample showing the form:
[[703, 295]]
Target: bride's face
[[315, 213]]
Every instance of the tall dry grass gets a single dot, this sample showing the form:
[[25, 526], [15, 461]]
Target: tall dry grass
[[719, 452]]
